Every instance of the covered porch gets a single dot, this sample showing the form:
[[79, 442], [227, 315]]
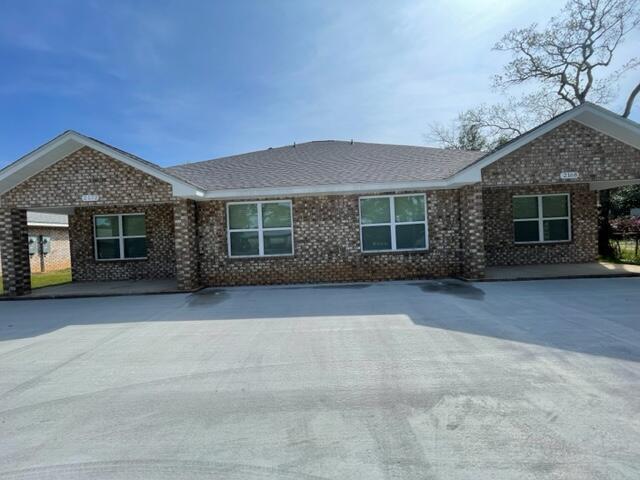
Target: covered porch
[[561, 270], [106, 289], [146, 232]]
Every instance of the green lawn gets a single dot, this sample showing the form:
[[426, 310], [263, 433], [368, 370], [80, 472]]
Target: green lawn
[[39, 280], [626, 254]]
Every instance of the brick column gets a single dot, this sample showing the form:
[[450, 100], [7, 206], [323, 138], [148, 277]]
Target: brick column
[[14, 249], [187, 273], [472, 258]]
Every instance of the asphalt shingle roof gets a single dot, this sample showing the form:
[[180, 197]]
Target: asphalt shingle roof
[[326, 163]]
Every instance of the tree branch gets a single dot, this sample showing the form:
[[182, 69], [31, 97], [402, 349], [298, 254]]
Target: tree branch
[[630, 100]]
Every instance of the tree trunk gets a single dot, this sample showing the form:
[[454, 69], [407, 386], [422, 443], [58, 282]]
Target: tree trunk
[[604, 229]]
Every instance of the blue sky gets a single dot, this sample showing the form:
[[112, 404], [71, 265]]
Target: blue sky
[[179, 81]]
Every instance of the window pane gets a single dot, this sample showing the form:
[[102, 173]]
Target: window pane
[[244, 243], [276, 215], [526, 231], [556, 230], [376, 238], [277, 242], [108, 249], [133, 225], [555, 206], [135, 247], [375, 210], [107, 227], [409, 209], [410, 236], [243, 216], [525, 207]]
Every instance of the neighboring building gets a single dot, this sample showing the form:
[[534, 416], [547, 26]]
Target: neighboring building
[[326, 211], [48, 241]]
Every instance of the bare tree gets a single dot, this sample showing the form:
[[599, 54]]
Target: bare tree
[[567, 54], [565, 60], [463, 136]]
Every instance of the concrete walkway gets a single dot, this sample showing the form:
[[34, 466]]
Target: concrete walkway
[[563, 270], [92, 289]]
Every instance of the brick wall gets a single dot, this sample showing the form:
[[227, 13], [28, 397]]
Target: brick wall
[[14, 249], [327, 245], [186, 244], [499, 230], [87, 172], [160, 262], [59, 256], [572, 147], [472, 232]]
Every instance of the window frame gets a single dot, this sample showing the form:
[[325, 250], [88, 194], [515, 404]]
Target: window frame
[[260, 229], [541, 218], [392, 223], [121, 238]]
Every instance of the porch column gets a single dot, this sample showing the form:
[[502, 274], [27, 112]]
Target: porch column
[[472, 256], [187, 271], [14, 249]]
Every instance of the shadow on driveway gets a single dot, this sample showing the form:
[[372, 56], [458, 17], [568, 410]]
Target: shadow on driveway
[[592, 316]]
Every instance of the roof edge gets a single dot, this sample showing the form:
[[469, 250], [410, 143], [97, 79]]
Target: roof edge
[[69, 142], [589, 114]]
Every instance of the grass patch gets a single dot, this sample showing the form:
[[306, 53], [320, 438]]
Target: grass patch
[[626, 253], [47, 279]]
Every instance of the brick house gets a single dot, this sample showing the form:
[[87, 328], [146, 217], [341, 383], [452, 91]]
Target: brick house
[[322, 211], [48, 240]]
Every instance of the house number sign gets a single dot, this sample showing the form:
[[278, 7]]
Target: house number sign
[[569, 175], [90, 198]]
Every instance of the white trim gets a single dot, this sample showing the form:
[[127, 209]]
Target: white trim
[[260, 230], [121, 237], [334, 189], [48, 225], [70, 142], [541, 218], [588, 114], [392, 223]]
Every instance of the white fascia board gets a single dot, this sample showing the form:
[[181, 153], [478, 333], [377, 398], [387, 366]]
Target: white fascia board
[[68, 143], [184, 188], [339, 189], [48, 225], [588, 114]]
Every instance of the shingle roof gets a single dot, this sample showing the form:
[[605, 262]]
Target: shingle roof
[[327, 162], [47, 218]]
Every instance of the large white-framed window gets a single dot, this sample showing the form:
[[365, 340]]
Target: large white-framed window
[[542, 218], [393, 223], [260, 229], [120, 236]]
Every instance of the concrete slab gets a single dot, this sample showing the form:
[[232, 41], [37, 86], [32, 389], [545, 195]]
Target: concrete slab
[[562, 270], [438, 380], [114, 288]]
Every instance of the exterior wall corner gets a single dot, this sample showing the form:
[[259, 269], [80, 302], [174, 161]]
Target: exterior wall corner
[[14, 249], [472, 261], [186, 244]]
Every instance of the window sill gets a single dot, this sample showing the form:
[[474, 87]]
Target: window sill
[[549, 242], [259, 257], [138, 259], [382, 252]]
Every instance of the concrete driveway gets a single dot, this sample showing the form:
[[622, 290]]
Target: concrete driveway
[[442, 380]]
